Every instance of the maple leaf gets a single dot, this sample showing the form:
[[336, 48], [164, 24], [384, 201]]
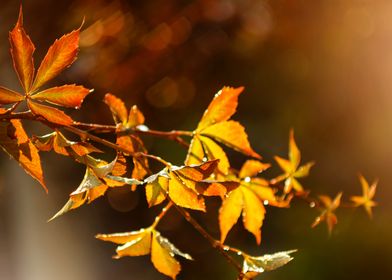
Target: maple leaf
[[366, 200], [15, 142], [291, 168], [249, 199], [253, 266], [216, 126], [61, 54], [328, 211], [148, 241]]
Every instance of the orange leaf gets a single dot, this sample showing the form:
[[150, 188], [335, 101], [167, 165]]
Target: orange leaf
[[252, 167], [67, 95], [50, 114], [59, 56], [230, 211], [22, 49], [233, 135], [221, 108], [253, 213], [214, 151], [135, 117], [197, 172], [163, 259], [15, 142], [184, 196], [195, 152], [117, 107], [8, 96]]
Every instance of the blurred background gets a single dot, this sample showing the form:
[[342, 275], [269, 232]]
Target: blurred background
[[320, 67]]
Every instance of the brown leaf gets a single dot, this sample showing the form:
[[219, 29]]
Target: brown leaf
[[51, 114], [15, 142], [66, 95], [221, 108], [60, 55], [8, 96], [22, 49], [233, 135]]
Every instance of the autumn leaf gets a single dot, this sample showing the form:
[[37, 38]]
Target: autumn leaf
[[148, 241], [61, 145], [249, 199], [50, 114], [328, 211], [186, 185], [221, 108], [8, 96], [291, 168], [67, 95], [16, 143], [253, 266], [96, 181], [61, 54], [22, 49], [366, 200], [216, 126]]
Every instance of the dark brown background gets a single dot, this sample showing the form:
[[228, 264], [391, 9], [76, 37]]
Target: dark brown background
[[321, 67]]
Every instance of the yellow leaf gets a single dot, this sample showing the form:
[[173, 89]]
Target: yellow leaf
[[163, 259], [184, 196], [253, 213], [230, 211], [252, 167], [214, 151], [231, 134], [195, 152]]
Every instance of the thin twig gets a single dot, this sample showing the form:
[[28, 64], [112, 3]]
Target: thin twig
[[214, 243]]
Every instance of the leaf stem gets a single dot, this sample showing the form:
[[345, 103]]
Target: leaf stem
[[214, 243], [162, 214]]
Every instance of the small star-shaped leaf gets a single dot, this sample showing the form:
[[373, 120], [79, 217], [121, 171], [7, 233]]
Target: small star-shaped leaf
[[291, 167], [368, 192]]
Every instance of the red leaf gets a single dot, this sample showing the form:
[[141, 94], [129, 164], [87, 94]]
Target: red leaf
[[8, 96], [67, 95], [50, 114], [19, 147], [59, 56], [22, 49]]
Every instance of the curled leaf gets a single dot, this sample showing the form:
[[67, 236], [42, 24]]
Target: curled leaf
[[253, 266]]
